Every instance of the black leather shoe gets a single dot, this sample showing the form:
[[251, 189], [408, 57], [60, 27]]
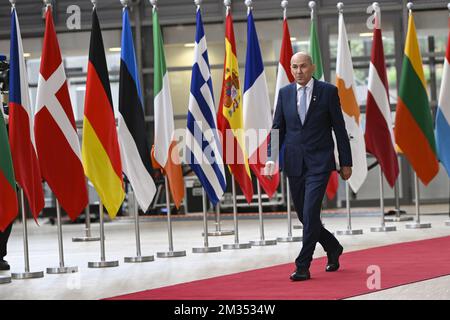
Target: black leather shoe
[[4, 265], [333, 259], [300, 275]]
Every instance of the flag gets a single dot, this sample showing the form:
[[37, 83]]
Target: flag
[[134, 147], [347, 94], [203, 145], [443, 114], [379, 135], [100, 147], [314, 48], [8, 196], [413, 121], [230, 119], [21, 135], [165, 150], [284, 75], [57, 144], [256, 109]]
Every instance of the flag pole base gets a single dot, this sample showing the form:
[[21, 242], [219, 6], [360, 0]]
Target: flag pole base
[[418, 225], [206, 249], [234, 246], [171, 254], [348, 232], [5, 279], [27, 275], [103, 264], [59, 270], [447, 223], [263, 242], [383, 229], [139, 259], [298, 226], [289, 239], [85, 239], [219, 233], [398, 219]]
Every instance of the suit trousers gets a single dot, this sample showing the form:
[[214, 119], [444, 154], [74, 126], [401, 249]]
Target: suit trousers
[[4, 236], [307, 193]]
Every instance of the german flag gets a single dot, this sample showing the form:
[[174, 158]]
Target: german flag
[[413, 122], [100, 147]]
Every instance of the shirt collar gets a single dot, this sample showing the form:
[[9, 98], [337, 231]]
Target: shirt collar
[[309, 85]]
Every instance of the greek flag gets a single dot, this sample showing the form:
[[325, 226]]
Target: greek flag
[[203, 148]]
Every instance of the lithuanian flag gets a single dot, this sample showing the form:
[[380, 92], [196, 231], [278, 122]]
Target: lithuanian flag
[[413, 121]]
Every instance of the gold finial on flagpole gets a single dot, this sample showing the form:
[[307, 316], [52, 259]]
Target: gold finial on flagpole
[[13, 3]]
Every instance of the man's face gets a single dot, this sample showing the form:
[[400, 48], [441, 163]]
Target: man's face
[[302, 69]]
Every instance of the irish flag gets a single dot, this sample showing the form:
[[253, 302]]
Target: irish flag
[[165, 154], [413, 122], [346, 88]]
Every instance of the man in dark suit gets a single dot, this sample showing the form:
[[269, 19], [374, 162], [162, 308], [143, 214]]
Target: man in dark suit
[[306, 113]]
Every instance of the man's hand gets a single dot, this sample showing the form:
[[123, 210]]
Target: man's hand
[[269, 169], [6, 119], [346, 173]]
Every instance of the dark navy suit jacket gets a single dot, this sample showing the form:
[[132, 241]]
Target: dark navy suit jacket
[[310, 146]]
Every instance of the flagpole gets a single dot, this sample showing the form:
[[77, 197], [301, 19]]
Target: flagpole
[[397, 210], [262, 241], [27, 274], [219, 231], [102, 263], [289, 237], [417, 224], [87, 214], [138, 257], [383, 227], [236, 244], [170, 253], [62, 268], [206, 248]]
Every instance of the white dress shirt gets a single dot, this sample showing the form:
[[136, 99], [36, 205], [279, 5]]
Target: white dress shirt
[[309, 89]]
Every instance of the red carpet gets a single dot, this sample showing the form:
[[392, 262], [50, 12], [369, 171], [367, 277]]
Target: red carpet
[[399, 264]]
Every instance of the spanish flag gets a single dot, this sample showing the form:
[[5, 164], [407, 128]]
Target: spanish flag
[[100, 147], [230, 119], [413, 122]]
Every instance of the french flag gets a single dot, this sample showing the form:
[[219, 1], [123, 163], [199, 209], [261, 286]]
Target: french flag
[[257, 113], [443, 114], [21, 136]]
